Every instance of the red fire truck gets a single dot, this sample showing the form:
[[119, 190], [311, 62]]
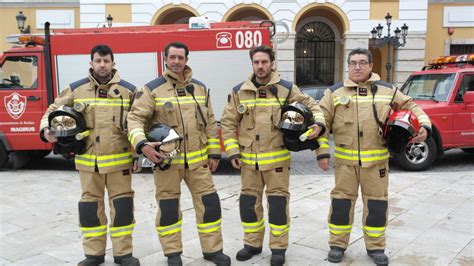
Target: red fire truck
[[445, 91], [34, 73]]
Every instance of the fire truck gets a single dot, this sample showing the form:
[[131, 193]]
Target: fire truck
[[38, 68], [445, 91]]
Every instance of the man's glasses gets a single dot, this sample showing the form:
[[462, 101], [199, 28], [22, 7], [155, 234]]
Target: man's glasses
[[362, 64]]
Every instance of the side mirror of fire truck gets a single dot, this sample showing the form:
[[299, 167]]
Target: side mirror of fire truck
[[469, 97]]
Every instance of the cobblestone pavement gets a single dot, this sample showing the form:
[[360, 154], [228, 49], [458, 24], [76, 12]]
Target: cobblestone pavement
[[431, 218]]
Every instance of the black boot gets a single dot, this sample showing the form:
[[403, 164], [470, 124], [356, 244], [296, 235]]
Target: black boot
[[378, 256], [127, 260], [278, 258], [175, 260], [91, 261], [247, 253], [218, 257], [335, 254]]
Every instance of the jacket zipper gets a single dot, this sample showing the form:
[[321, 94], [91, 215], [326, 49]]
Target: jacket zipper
[[358, 128]]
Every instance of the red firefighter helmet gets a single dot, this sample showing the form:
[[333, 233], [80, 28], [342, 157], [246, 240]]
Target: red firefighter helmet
[[400, 128]]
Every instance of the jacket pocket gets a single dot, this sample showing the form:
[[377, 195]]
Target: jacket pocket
[[245, 142], [248, 118], [343, 141], [202, 120], [89, 116]]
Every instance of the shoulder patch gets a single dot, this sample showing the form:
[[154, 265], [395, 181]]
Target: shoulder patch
[[237, 88], [78, 83], [156, 83], [384, 83], [199, 83], [336, 86], [127, 85], [285, 84]]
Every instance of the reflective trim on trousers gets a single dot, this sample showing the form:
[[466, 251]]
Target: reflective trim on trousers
[[254, 227], [339, 229], [94, 231], [277, 230], [209, 227], [169, 229], [374, 231], [121, 230]]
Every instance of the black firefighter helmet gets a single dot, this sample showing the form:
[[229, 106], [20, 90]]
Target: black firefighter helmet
[[400, 128], [170, 142], [295, 120], [68, 126]]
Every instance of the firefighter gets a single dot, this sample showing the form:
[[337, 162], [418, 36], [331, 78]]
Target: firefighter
[[104, 99], [355, 113], [254, 110], [182, 103]]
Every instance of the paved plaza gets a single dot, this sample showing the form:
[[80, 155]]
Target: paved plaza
[[431, 219]]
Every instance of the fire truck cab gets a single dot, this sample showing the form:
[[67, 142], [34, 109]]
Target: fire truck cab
[[38, 68], [445, 91]]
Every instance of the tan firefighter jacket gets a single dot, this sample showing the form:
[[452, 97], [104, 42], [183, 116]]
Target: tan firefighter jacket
[[251, 119], [106, 109], [168, 100], [349, 115]]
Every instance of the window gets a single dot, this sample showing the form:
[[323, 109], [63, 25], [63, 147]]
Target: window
[[467, 84], [315, 55], [429, 87], [19, 72], [456, 49]]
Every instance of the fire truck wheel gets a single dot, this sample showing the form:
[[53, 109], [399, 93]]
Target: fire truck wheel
[[468, 150], [417, 156], [39, 153], [3, 156]]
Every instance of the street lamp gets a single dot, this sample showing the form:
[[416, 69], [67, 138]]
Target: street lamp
[[109, 20], [20, 21], [378, 41]]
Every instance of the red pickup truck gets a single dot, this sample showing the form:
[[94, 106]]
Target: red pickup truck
[[445, 91]]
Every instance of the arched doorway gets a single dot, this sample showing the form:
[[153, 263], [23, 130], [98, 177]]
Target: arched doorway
[[171, 14], [315, 54], [247, 12]]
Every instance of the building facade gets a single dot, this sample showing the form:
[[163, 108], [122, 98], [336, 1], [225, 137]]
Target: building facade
[[314, 37]]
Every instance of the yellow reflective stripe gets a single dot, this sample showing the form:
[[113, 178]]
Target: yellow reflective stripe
[[121, 230], [365, 156], [279, 229], [94, 231], [253, 227], [85, 159], [169, 229], [423, 119], [181, 100], [340, 229], [265, 158], [323, 142], [231, 144], [261, 102], [368, 98], [135, 133], [104, 102], [213, 144], [319, 118], [209, 227], [374, 231], [114, 159], [196, 156]]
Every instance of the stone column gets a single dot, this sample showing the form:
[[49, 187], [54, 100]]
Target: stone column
[[285, 57], [409, 58]]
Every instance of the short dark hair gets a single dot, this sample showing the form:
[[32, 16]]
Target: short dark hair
[[263, 49], [102, 50], [177, 45], [360, 51]]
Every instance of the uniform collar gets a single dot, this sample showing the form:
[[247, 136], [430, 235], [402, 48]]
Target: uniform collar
[[249, 85], [373, 78], [95, 84], [175, 79]]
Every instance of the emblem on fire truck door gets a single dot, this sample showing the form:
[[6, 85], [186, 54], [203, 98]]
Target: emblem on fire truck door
[[223, 40], [15, 105]]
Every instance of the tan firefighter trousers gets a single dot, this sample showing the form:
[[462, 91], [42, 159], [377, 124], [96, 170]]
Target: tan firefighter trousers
[[374, 187], [92, 218], [251, 210], [206, 203]]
